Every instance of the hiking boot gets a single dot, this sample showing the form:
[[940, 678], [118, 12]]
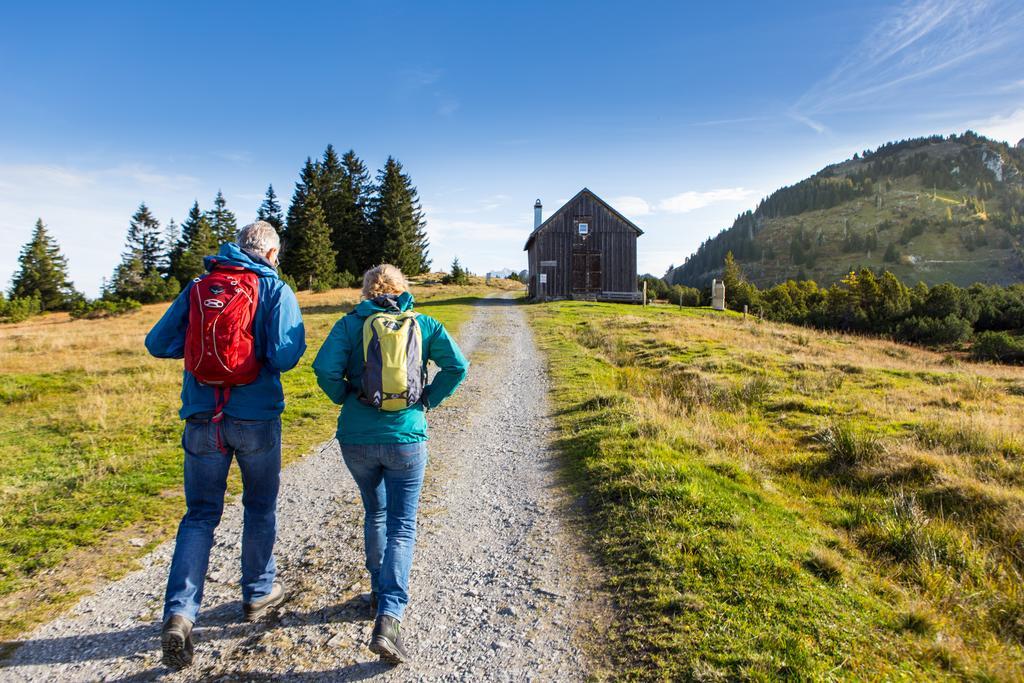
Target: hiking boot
[[176, 642], [255, 610], [387, 640]]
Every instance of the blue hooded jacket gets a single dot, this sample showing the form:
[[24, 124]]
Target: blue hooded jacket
[[279, 335], [339, 372]]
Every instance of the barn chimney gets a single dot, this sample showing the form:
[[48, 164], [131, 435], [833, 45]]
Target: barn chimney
[[536, 214]]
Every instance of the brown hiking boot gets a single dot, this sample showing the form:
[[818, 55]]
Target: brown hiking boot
[[176, 642], [255, 610]]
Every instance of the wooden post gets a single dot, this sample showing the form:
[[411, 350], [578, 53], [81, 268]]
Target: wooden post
[[744, 311], [645, 292]]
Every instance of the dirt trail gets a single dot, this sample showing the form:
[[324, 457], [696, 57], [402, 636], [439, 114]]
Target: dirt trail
[[501, 589]]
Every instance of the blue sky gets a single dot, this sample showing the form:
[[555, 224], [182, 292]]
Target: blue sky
[[680, 114]]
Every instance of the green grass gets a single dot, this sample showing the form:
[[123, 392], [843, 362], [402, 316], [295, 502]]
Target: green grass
[[768, 508], [92, 452]]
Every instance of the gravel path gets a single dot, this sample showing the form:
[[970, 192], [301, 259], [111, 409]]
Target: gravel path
[[501, 589]]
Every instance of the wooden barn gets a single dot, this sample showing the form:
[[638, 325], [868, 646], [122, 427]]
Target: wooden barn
[[585, 250]]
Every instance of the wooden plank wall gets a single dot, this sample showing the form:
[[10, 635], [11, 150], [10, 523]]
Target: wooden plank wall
[[610, 236]]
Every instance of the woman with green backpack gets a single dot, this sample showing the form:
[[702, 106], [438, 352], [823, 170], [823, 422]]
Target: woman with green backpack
[[373, 364]]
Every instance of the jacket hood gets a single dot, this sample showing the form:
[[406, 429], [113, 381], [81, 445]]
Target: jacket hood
[[385, 304], [232, 255]]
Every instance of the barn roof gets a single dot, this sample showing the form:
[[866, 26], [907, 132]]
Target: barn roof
[[577, 196]]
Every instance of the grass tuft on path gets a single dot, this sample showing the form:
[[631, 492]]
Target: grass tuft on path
[[773, 502]]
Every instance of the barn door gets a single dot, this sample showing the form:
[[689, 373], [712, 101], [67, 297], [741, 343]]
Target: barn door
[[586, 272], [580, 266], [594, 273]]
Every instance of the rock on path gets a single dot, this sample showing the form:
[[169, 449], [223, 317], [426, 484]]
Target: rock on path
[[500, 587]]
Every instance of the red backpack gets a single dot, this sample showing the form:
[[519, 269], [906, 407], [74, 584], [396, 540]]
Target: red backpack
[[219, 346]]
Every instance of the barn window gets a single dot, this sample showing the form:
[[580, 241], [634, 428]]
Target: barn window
[[582, 225]]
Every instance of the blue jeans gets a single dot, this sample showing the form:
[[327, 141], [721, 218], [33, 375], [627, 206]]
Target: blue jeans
[[256, 444], [389, 476]]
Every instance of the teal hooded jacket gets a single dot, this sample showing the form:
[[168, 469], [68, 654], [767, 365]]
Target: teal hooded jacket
[[339, 371]]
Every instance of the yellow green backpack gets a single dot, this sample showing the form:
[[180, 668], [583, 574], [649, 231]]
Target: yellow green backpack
[[393, 374]]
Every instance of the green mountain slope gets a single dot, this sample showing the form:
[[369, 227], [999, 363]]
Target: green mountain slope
[[931, 209]]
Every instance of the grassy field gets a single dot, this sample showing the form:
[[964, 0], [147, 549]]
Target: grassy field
[[91, 470], [773, 502]]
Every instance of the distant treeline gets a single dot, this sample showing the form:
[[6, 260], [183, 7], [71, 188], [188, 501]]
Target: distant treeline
[[879, 303], [340, 223], [964, 171]]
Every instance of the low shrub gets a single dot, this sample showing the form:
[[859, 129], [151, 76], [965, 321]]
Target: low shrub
[[19, 309], [1000, 347], [344, 280], [951, 329], [103, 308]]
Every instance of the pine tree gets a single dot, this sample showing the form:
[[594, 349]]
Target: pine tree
[[270, 210], [43, 272], [196, 242], [144, 240], [731, 274], [350, 225], [309, 183], [312, 256], [138, 275], [172, 241], [458, 275], [398, 229], [222, 221]]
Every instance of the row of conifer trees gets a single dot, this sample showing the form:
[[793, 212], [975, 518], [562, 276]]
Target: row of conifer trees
[[340, 222]]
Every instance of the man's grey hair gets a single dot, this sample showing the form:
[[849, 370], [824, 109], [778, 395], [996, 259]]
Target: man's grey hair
[[259, 238]]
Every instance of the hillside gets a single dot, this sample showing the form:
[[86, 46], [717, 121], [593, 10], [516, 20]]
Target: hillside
[[929, 209]]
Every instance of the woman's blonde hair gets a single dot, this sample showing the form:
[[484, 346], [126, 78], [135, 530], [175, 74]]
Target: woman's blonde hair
[[383, 279]]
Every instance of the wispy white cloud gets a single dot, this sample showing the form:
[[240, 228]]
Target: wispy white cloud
[[419, 77], [1012, 86], [1007, 127], [918, 49], [426, 85], [447, 107], [631, 206], [728, 122], [684, 202]]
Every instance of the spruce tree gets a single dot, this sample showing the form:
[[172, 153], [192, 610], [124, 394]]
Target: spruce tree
[[312, 256], [309, 183], [172, 242], [222, 221], [144, 240], [331, 174], [350, 225], [270, 210], [43, 272], [196, 242], [398, 229], [138, 275]]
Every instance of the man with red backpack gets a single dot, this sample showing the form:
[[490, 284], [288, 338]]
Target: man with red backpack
[[238, 327]]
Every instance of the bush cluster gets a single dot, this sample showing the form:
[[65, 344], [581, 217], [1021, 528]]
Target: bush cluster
[[18, 309], [103, 308]]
